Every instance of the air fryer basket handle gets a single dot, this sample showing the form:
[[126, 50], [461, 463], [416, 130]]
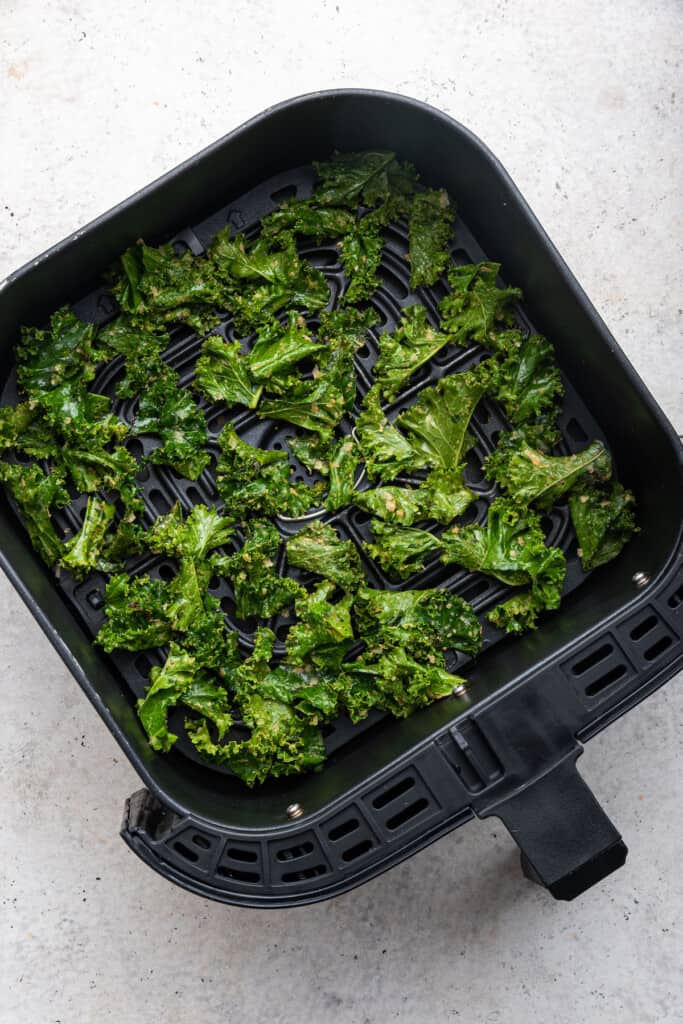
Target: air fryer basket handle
[[567, 842]]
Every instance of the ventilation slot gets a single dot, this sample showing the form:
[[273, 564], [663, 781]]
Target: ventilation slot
[[186, 852], [407, 813], [382, 799], [354, 852], [618, 672], [302, 876], [639, 631], [344, 829], [591, 660], [294, 852], [675, 600], [237, 875], [143, 665], [161, 504], [202, 842], [246, 856], [576, 431], [658, 648]]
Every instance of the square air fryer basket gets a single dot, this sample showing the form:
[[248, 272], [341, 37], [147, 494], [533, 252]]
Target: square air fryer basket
[[506, 747]]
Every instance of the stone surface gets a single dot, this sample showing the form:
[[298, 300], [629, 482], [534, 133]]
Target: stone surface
[[581, 102]]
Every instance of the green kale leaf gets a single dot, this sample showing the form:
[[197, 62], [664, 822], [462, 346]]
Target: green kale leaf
[[528, 475], [342, 467], [306, 217], [278, 349], [319, 549], [394, 682], [83, 553], [412, 344], [386, 452], [401, 550], [604, 520], [168, 412], [430, 229], [222, 374], [360, 252], [259, 590], [349, 179], [195, 536], [527, 382], [424, 623], [476, 309], [437, 424], [323, 633], [66, 351], [36, 492]]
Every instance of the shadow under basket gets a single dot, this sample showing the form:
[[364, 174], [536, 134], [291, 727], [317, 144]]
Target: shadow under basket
[[508, 746]]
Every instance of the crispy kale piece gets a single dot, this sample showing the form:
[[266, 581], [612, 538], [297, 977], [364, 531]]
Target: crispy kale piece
[[278, 349], [259, 590], [36, 492], [223, 374], [394, 682], [168, 412], [342, 467], [422, 622], [83, 553], [343, 332], [437, 424], [476, 309], [604, 520], [141, 348], [316, 405], [401, 550], [401, 505], [511, 547], [194, 536], [526, 382], [253, 481], [136, 609], [360, 252], [323, 633], [319, 549], [412, 344], [67, 351], [385, 450], [160, 285], [312, 451], [306, 217], [266, 277], [182, 680], [430, 227], [530, 476], [23, 428], [350, 179]]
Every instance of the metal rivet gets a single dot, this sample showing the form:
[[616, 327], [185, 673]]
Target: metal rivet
[[641, 579], [294, 811]]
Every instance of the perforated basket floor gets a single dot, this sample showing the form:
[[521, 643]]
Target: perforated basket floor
[[161, 487]]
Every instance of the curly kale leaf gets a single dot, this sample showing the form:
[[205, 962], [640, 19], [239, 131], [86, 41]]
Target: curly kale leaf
[[350, 179], [401, 505], [306, 217], [278, 349], [253, 481], [222, 374], [430, 229], [437, 424], [422, 622], [259, 590], [386, 452], [36, 492], [394, 682], [412, 344], [281, 742], [160, 285], [323, 633], [312, 451], [476, 308], [400, 550], [136, 609], [84, 552], [360, 252], [181, 680], [528, 475], [23, 428], [66, 351], [342, 467], [604, 520], [316, 405], [343, 332], [195, 536], [511, 547], [266, 277], [168, 412], [141, 349], [527, 382], [319, 549]]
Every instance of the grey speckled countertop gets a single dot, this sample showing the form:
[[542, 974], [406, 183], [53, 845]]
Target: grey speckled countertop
[[582, 103]]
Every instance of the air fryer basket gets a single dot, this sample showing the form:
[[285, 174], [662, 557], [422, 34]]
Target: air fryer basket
[[509, 746]]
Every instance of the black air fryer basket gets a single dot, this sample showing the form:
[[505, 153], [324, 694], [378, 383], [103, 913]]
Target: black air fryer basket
[[508, 746]]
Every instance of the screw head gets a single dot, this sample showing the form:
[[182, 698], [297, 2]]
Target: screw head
[[641, 579], [294, 811]]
